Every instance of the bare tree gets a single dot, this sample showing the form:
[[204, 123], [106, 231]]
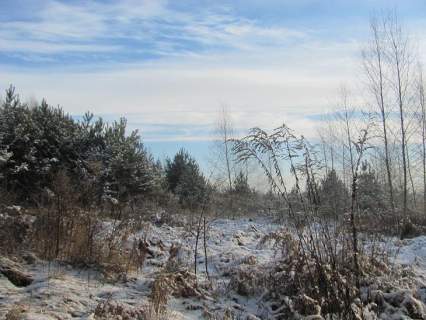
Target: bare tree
[[374, 66], [346, 116], [399, 58], [223, 156], [328, 142], [421, 93]]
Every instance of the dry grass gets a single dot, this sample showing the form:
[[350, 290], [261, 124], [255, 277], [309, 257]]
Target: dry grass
[[412, 224], [85, 240], [299, 286], [160, 291], [17, 312], [110, 309], [14, 231]]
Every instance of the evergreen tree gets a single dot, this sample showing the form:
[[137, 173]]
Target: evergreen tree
[[370, 194], [333, 194], [240, 184], [38, 142], [185, 179], [129, 169]]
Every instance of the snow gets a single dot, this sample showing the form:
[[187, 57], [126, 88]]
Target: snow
[[412, 252], [60, 291], [64, 292]]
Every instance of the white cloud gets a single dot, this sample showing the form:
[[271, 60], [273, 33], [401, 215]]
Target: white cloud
[[61, 27], [40, 47], [186, 92], [270, 74]]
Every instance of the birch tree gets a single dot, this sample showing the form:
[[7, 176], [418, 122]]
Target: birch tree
[[399, 58], [375, 69]]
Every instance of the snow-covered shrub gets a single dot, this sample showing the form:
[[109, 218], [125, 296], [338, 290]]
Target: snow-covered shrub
[[302, 285], [246, 280], [110, 309], [180, 284], [64, 230], [408, 229], [17, 312], [322, 262]]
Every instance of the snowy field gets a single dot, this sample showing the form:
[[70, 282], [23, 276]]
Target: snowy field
[[63, 292]]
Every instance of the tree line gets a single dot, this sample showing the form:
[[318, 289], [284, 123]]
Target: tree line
[[392, 106], [104, 162]]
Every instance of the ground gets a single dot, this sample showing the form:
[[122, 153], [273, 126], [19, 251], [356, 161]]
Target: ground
[[65, 292]]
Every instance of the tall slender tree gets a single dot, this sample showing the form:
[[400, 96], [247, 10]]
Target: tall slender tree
[[375, 69], [400, 59], [223, 157], [421, 97]]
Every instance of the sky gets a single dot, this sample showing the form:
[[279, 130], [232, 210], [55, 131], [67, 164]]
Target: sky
[[169, 67]]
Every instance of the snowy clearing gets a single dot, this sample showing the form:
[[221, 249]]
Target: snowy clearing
[[63, 292]]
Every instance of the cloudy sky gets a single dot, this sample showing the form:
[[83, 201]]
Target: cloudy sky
[[169, 66]]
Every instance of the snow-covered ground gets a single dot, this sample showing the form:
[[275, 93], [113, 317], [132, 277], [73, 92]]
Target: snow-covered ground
[[412, 252], [63, 292]]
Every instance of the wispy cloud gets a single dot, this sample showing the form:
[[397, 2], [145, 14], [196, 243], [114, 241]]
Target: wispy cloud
[[140, 27], [31, 47], [169, 65]]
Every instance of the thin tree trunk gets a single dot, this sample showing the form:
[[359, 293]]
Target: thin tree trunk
[[343, 164], [348, 133], [374, 68], [423, 124], [205, 248], [58, 225], [197, 237], [424, 150], [413, 189], [400, 59], [387, 162], [383, 114], [228, 166], [360, 150], [404, 157]]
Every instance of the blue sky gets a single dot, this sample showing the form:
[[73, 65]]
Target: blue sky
[[170, 66]]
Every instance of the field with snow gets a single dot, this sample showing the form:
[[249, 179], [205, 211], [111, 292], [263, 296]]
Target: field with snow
[[60, 291]]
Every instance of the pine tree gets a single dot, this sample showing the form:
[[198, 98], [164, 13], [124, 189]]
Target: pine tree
[[371, 196], [333, 194], [38, 142], [240, 184], [185, 179]]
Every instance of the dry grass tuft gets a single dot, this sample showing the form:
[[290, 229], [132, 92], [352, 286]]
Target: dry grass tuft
[[180, 284], [17, 312], [110, 309]]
